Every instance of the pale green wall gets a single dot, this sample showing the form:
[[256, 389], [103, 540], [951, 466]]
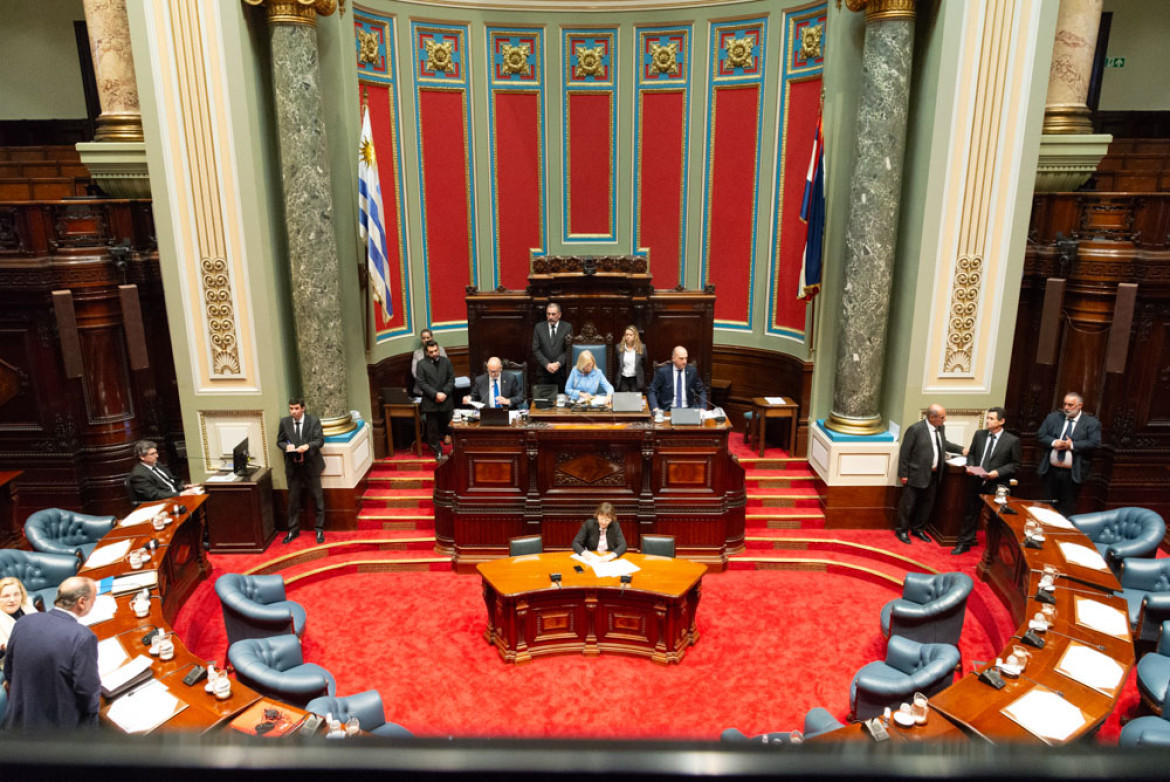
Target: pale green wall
[[41, 73], [1139, 33]]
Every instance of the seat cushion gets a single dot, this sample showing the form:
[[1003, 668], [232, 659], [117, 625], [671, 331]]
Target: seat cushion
[[1133, 603], [1150, 731], [1153, 672]]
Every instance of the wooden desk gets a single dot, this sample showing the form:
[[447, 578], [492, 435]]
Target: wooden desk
[[239, 514], [544, 477], [528, 616], [764, 410], [392, 411]]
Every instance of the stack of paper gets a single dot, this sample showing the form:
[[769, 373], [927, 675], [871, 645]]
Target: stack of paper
[[134, 582], [1050, 517], [1102, 618], [104, 607], [145, 709], [1046, 715], [615, 568], [1076, 554], [124, 676], [142, 515], [774, 400], [108, 555], [1091, 668], [111, 655]]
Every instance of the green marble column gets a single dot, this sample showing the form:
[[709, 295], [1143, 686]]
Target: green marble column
[[308, 207], [872, 231]]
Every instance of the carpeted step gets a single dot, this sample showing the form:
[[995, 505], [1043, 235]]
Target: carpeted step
[[889, 573], [387, 520], [398, 498], [401, 480], [754, 462], [793, 519], [794, 481], [406, 463], [795, 497], [329, 557]]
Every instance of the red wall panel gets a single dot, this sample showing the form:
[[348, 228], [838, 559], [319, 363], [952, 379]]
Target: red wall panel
[[519, 186], [661, 158], [800, 119], [590, 178]]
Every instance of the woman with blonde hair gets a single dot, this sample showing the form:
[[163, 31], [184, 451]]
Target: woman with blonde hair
[[14, 603], [631, 361], [586, 380]]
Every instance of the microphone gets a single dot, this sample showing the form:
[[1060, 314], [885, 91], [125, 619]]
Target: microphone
[[1031, 639], [556, 579], [626, 579], [180, 509]]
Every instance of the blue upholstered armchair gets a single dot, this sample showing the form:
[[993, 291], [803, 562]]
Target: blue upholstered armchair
[[910, 667], [1145, 585], [1122, 532], [39, 572], [1153, 673], [255, 607], [366, 706], [816, 722], [58, 531], [931, 609], [819, 721], [276, 667]]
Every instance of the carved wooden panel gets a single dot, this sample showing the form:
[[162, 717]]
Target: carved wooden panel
[[682, 472], [493, 472]]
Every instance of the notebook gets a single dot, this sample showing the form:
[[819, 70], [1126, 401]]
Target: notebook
[[685, 416]]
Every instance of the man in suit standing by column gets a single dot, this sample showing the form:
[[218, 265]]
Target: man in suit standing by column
[[1066, 438], [550, 342], [921, 468], [992, 459], [300, 440], [436, 380]]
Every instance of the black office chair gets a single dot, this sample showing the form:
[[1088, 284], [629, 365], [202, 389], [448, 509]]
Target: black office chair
[[658, 545], [525, 544]]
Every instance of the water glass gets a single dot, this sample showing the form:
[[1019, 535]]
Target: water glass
[[920, 708], [352, 726]]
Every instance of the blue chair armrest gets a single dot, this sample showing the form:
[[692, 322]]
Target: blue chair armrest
[[917, 587], [1092, 523], [367, 707], [269, 589], [1164, 640], [902, 654], [1144, 574]]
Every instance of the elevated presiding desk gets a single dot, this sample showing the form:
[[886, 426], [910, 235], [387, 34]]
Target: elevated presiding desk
[[529, 614], [545, 474]]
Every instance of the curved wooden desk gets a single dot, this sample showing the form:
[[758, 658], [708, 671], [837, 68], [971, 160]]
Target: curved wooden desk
[[654, 616]]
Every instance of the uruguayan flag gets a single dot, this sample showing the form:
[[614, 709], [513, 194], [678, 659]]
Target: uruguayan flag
[[370, 218]]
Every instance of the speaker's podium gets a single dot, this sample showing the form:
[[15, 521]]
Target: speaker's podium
[[239, 511]]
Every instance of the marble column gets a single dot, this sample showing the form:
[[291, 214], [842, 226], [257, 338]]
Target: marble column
[[308, 207], [872, 231], [1077, 24], [113, 67]]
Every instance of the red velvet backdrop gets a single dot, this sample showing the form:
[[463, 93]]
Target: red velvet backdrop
[[661, 168], [590, 138], [518, 189]]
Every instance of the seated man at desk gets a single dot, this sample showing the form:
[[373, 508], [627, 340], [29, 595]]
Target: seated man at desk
[[149, 480], [590, 537], [677, 385], [586, 380], [494, 388]]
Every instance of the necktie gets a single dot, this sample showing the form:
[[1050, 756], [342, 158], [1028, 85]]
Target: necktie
[[987, 451], [939, 442], [162, 476], [298, 432], [495, 391], [678, 388], [552, 331], [1069, 423]]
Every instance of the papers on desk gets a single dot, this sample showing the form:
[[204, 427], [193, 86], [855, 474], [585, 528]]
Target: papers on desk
[[104, 608], [131, 582], [1050, 517], [1045, 715], [1076, 554], [774, 400], [229, 477], [144, 709], [111, 655], [957, 461], [142, 515], [125, 676], [108, 555], [477, 405], [606, 566], [1102, 618], [1091, 668]]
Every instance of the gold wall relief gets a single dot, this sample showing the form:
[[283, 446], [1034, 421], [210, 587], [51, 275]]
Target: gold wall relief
[[368, 43], [516, 58], [589, 62], [964, 312], [439, 55], [664, 59], [739, 52], [810, 41], [221, 315]]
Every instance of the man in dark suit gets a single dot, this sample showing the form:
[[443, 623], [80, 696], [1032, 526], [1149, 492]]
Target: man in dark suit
[[676, 385], [52, 664], [1066, 438], [150, 480], [300, 440], [436, 381], [992, 459], [550, 342], [921, 468], [605, 522], [494, 388]]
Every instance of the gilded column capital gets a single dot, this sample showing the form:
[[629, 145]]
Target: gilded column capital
[[883, 10], [296, 11]]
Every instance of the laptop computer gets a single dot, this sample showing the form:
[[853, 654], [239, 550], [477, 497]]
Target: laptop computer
[[685, 416], [493, 416], [627, 402], [392, 395], [544, 396]]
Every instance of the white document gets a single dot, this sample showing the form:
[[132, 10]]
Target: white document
[[774, 400], [1102, 618], [1050, 517], [1046, 715], [477, 405], [119, 676], [222, 478], [142, 515], [614, 568], [1091, 668], [104, 607], [134, 582], [111, 655], [591, 559], [144, 709], [958, 461], [1076, 554], [108, 555]]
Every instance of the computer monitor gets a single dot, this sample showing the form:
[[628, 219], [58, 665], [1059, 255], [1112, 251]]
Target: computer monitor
[[240, 458], [544, 396]]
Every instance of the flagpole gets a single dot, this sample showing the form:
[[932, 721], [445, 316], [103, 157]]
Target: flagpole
[[368, 321]]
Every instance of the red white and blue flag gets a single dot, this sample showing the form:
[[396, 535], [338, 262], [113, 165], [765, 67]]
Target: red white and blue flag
[[812, 214], [370, 218]]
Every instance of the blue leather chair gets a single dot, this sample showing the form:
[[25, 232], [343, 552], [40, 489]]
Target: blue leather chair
[[366, 706], [1145, 585], [276, 667], [1153, 673], [816, 722], [524, 545], [255, 607], [1149, 731], [910, 667], [735, 735], [1122, 532], [600, 351], [658, 545], [57, 531], [39, 572], [931, 609]]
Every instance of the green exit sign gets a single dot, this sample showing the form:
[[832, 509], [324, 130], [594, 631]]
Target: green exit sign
[[1114, 62]]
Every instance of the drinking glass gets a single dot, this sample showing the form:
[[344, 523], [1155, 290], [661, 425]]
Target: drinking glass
[[920, 708]]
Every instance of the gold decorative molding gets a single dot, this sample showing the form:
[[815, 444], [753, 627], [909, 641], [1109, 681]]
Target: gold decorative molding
[[118, 127], [296, 11], [342, 424], [810, 41], [1060, 118], [856, 426], [739, 52], [664, 59], [221, 315], [965, 285], [883, 10], [439, 55], [589, 61], [367, 47], [516, 58]]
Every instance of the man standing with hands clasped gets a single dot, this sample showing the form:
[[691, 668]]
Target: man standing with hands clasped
[[921, 468], [550, 347], [1066, 438], [301, 438], [993, 458]]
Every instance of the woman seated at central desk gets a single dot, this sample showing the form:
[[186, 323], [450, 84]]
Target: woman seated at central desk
[[602, 533], [586, 380]]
